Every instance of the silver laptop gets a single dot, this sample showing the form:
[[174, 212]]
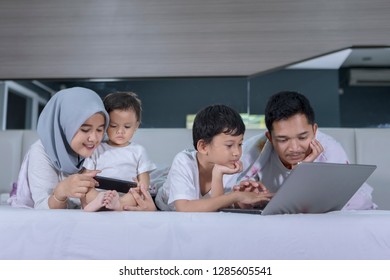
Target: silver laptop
[[315, 188]]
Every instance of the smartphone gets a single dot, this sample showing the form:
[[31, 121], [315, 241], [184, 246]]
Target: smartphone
[[122, 186]]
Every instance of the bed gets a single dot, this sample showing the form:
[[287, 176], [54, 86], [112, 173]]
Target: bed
[[27, 234], [73, 234]]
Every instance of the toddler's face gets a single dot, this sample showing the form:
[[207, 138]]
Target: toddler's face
[[225, 149], [122, 126]]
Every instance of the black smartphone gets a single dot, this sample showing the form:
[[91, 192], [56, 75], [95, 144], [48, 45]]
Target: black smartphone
[[122, 186]]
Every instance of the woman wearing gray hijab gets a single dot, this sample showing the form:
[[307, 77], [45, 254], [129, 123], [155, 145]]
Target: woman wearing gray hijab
[[70, 127]]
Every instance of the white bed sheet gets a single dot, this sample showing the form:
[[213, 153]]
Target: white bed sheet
[[74, 234]]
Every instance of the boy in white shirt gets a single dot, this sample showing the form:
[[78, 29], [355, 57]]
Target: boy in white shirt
[[197, 178], [118, 157]]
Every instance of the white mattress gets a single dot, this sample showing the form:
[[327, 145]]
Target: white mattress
[[74, 234]]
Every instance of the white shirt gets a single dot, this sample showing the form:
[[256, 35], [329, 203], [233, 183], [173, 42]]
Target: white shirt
[[183, 181], [275, 173], [124, 163], [43, 177]]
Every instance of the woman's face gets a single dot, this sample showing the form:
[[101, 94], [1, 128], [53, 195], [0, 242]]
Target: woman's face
[[88, 136]]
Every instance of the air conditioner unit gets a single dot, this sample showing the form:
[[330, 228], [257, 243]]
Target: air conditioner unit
[[369, 77]]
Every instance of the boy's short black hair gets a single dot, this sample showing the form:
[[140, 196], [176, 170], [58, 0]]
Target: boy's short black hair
[[123, 101], [216, 119], [286, 104]]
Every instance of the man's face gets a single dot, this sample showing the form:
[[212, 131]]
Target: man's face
[[291, 139]]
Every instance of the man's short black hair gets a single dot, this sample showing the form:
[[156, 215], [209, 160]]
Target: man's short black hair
[[286, 104], [216, 119]]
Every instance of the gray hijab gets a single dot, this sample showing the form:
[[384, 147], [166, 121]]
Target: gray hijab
[[59, 121]]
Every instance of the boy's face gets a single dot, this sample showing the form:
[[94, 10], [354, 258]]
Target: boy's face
[[122, 126], [291, 139], [225, 149]]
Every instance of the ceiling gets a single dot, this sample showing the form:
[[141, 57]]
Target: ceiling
[[362, 57], [354, 57], [368, 57]]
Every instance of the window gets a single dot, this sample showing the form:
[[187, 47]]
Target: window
[[19, 106]]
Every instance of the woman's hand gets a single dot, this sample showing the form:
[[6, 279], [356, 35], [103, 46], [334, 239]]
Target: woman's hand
[[143, 199], [76, 185]]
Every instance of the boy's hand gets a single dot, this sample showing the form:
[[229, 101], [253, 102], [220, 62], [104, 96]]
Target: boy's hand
[[250, 186], [222, 169], [252, 198]]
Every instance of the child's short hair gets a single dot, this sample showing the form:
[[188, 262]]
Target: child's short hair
[[123, 101], [216, 119]]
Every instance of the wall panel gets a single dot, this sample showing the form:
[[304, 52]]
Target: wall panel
[[167, 38]]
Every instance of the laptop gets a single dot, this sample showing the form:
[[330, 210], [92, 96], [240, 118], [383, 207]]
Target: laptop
[[315, 188]]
